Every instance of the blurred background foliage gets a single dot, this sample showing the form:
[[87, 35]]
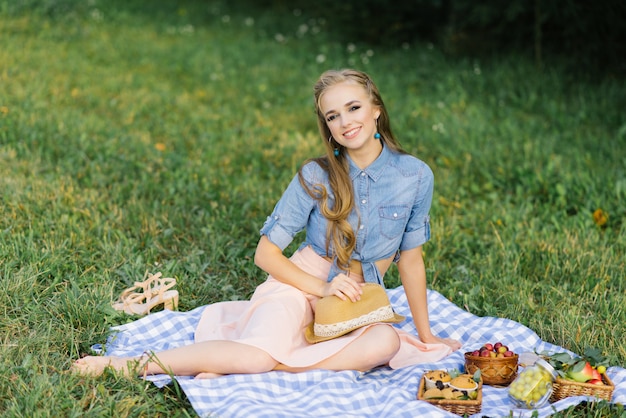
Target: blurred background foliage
[[589, 35]]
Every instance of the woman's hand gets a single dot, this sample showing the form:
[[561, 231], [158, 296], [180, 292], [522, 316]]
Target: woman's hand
[[452, 343], [344, 288]]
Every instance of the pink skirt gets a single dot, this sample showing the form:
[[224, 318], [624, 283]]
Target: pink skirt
[[275, 318]]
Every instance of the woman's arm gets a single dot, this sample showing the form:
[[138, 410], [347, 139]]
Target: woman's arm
[[413, 276], [271, 259]]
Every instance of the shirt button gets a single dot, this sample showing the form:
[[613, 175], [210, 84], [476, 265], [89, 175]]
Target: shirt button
[[395, 215], [362, 226], [364, 201], [362, 173]]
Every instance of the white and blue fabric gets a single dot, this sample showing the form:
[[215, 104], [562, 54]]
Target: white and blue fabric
[[382, 392]]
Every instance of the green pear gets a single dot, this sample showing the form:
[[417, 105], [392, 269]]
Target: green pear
[[580, 372]]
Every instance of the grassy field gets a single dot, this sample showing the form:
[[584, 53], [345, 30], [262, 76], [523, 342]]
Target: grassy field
[[136, 139]]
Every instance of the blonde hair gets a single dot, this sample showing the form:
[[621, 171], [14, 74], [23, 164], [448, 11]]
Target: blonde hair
[[339, 231]]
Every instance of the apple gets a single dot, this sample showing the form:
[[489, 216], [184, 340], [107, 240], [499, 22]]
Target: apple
[[489, 346], [485, 353], [476, 353], [500, 355], [502, 349], [509, 353], [493, 354], [601, 369], [580, 372], [595, 375], [596, 382], [497, 345]]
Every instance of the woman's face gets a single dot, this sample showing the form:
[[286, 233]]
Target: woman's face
[[351, 117]]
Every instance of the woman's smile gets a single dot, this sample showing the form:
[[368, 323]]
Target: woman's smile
[[352, 133]]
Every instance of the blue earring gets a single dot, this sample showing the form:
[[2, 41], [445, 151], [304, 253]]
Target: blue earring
[[336, 151], [377, 135]]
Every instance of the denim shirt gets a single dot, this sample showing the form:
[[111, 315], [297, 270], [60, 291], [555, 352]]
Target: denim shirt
[[392, 202]]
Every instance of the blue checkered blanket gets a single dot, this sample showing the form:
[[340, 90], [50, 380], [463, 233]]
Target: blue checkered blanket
[[382, 392]]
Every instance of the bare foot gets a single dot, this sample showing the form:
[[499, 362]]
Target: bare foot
[[208, 375], [95, 365]]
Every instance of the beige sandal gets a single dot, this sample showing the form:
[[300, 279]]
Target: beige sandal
[[143, 296]]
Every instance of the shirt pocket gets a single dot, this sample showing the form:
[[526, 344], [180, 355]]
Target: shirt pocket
[[393, 220]]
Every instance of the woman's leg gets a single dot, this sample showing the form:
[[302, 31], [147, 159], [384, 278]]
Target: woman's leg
[[375, 347], [208, 358]]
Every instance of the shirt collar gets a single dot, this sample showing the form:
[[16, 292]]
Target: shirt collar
[[375, 169]]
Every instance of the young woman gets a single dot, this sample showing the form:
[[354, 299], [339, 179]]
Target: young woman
[[364, 205]]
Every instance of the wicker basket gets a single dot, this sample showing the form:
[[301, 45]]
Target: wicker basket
[[459, 407], [564, 388], [495, 371]]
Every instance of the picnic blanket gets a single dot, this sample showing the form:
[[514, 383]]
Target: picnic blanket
[[382, 392]]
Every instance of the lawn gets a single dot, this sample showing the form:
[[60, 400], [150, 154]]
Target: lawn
[[159, 138]]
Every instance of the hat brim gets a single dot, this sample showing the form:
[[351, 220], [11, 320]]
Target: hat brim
[[309, 333]]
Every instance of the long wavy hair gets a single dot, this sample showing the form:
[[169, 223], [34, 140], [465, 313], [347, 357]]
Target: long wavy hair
[[339, 231]]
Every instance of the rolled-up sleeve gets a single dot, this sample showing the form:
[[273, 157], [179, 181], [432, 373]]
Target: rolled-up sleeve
[[290, 215], [417, 231]]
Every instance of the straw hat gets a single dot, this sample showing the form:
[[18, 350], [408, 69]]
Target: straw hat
[[335, 317]]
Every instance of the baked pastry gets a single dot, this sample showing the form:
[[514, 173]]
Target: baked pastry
[[437, 378], [449, 393], [463, 381], [433, 393]]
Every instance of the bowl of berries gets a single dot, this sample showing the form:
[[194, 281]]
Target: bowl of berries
[[496, 362]]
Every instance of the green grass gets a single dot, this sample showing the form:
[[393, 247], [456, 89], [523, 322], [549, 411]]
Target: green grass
[[139, 138]]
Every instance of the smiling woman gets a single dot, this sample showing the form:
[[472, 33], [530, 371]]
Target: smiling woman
[[353, 125], [89, 199], [343, 201]]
